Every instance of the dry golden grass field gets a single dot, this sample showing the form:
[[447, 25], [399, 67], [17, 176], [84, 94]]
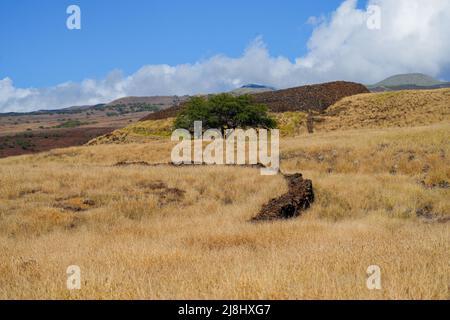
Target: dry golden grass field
[[382, 198]]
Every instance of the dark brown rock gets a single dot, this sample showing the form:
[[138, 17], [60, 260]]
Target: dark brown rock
[[309, 98], [292, 204]]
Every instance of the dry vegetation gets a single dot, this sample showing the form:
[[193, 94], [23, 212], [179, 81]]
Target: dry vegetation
[[142, 131], [372, 110], [382, 197], [388, 109], [289, 123]]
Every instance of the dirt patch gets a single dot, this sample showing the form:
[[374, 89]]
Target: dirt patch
[[441, 185], [427, 214], [28, 268], [27, 192], [165, 194], [133, 163], [292, 204], [170, 195], [34, 142], [75, 204]]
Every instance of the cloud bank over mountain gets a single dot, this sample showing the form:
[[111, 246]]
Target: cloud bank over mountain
[[413, 38]]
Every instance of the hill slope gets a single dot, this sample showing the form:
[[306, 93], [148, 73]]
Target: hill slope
[[365, 111], [410, 81], [388, 109], [250, 89], [417, 79], [313, 97], [163, 102]]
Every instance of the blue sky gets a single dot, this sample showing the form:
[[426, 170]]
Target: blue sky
[[143, 47], [40, 51]]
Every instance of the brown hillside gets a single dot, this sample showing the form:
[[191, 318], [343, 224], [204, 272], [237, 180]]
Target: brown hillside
[[313, 97], [164, 114]]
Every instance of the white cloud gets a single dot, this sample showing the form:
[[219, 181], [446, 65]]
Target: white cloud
[[413, 38]]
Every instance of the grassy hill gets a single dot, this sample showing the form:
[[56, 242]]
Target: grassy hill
[[417, 79], [410, 81], [250, 89], [390, 109]]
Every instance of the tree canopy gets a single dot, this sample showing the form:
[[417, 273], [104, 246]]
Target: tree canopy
[[224, 111]]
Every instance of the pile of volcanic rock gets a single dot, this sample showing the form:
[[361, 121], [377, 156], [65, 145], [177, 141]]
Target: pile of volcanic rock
[[309, 98], [306, 98], [292, 204], [166, 113]]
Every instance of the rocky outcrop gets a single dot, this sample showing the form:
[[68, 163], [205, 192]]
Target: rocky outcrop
[[309, 98], [299, 198]]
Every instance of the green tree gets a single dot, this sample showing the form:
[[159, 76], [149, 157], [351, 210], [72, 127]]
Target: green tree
[[224, 111]]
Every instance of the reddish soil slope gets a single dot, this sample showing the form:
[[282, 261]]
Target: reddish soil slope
[[27, 143]]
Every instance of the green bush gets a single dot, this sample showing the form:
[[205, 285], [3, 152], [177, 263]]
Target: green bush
[[24, 144], [224, 111]]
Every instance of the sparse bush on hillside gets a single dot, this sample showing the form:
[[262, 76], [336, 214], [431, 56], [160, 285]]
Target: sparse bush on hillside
[[224, 111], [72, 124], [121, 109], [24, 144]]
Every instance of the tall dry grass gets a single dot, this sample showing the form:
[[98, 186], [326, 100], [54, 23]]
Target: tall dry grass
[[388, 109], [177, 233]]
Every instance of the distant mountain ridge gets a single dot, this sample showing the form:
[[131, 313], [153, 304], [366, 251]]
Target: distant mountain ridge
[[162, 101], [126, 104], [251, 88], [257, 86], [409, 81]]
